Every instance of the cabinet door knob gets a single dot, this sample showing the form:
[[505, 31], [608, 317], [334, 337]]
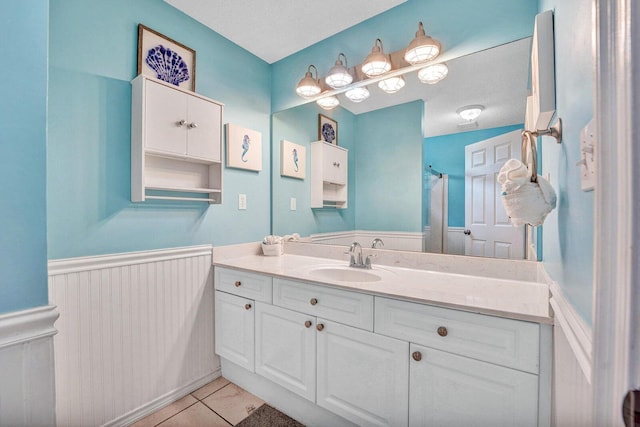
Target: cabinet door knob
[[313, 301], [319, 326], [467, 232], [336, 164], [307, 323], [238, 283], [442, 331], [417, 356], [247, 306], [181, 123], [193, 125]]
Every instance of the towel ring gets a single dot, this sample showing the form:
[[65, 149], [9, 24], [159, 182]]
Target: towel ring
[[529, 154]]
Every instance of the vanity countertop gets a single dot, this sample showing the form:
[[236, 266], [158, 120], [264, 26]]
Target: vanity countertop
[[515, 299]]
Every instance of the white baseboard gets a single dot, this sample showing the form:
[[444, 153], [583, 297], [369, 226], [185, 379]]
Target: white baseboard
[[27, 396]]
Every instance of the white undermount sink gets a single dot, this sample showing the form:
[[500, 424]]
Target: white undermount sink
[[345, 274]]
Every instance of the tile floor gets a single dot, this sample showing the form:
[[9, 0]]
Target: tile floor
[[218, 404]]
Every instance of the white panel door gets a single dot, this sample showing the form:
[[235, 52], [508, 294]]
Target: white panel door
[[203, 129], [489, 231], [234, 335], [286, 349], [451, 390], [164, 109], [362, 376]]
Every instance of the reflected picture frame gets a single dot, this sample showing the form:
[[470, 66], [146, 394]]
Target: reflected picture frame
[[293, 159], [327, 129], [165, 59]]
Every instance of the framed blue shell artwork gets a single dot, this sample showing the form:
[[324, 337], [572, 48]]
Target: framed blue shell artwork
[[327, 129], [244, 148], [293, 160], [165, 59]]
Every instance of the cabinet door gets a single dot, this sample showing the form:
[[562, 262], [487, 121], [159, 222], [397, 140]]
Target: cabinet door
[[204, 129], [334, 164], [164, 109], [446, 389], [362, 377], [286, 349], [234, 329]]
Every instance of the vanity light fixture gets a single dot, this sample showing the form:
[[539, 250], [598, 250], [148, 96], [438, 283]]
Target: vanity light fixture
[[376, 63], [308, 86], [432, 74], [328, 103], [339, 75], [392, 84], [357, 94], [470, 112], [422, 48]]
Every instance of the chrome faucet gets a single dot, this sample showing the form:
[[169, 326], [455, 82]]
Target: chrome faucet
[[377, 243], [356, 261]]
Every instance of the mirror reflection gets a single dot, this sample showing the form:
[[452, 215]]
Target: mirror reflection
[[408, 180]]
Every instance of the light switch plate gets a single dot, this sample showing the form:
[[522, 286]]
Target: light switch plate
[[242, 201], [587, 161], [293, 204]]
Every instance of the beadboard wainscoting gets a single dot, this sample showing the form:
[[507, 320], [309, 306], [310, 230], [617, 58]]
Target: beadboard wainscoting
[[26, 367], [454, 243], [572, 361], [135, 333], [398, 240]]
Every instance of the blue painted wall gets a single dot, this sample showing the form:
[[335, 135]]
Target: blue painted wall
[[568, 231], [300, 125], [388, 169], [92, 60], [461, 26], [446, 154], [23, 138]]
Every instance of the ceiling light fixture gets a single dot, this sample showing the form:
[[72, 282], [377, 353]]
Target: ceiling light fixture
[[339, 75], [470, 112], [422, 48], [328, 103], [376, 63], [433, 73], [308, 86], [357, 94], [392, 84]]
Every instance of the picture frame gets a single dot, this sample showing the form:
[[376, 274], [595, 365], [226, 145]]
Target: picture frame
[[293, 160], [163, 58], [327, 129], [244, 148]]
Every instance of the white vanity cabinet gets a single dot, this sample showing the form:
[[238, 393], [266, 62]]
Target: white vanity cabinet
[[235, 341], [175, 142], [329, 175]]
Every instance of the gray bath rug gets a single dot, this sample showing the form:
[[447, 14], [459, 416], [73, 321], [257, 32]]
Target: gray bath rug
[[266, 416]]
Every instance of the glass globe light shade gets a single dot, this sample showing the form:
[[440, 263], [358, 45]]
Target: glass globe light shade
[[422, 48], [357, 94], [392, 84], [470, 112], [433, 73], [376, 63], [339, 75], [328, 103], [308, 86]]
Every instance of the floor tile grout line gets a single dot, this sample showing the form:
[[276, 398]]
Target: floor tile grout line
[[210, 394], [182, 410], [220, 415]]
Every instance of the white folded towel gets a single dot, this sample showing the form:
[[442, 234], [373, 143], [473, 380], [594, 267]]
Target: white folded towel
[[513, 174], [272, 240]]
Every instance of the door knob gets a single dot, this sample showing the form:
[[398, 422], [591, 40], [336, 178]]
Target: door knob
[[319, 326], [313, 301], [467, 232], [631, 408], [442, 331], [237, 284], [307, 323], [247, 306], [417, 356]]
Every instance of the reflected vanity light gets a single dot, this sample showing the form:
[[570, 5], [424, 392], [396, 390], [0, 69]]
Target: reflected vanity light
[[339, 75], [357, 94], [328, 103], [308, 86], [470, 112], [422, 48], [376, 63], [433, 73], [392, 84]]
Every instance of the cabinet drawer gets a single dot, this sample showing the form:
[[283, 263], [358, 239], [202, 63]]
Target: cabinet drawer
[[248, 285], [349, 308], [506, 342]]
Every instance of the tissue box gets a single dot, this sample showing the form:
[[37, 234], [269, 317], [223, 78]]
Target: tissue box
[[272, 250]]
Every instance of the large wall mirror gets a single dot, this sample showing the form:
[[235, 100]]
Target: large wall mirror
[[407, 167]]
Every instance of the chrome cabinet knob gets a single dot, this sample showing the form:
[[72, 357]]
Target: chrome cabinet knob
[[247, 306], [417, 356], [307, 323], [193, 125], [467, 232], [442, 331], [313, 301], [238, 283], [181, 123], [319, 326]]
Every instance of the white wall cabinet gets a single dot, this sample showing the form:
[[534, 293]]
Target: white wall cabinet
[[420, 365], [329, 175], [175, 143]]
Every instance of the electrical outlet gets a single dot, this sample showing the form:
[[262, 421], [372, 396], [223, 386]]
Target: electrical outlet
[[242, 201], [293, 204], [587, 162]]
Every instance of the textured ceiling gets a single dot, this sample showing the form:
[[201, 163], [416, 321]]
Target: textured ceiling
[[274, 29]]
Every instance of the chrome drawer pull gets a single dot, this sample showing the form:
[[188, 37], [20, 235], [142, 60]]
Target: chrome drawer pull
[[442, 331]]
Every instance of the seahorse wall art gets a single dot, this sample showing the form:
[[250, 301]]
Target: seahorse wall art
[[244, 148], [292, 160]]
